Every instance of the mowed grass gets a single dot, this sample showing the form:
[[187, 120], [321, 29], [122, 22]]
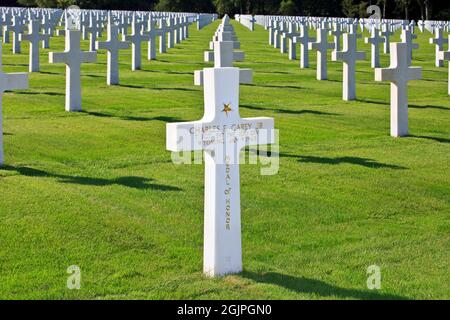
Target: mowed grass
[[98, 190]]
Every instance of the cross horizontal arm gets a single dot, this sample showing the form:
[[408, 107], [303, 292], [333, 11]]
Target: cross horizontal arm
[[58, 57]]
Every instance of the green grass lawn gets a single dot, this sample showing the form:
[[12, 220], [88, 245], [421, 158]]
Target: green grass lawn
[[97, 189]]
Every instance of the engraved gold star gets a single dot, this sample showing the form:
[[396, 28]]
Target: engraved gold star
[[227, 108]]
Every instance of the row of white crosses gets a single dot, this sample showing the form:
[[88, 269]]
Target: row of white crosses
[[223, 55], [73, 57], [399, 73], [221, 134]]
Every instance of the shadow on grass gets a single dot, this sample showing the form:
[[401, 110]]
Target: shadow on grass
[[441, 140], [382, 103], [428, 107], [157, 89], [133, 118], [51, 73], [298, 112], [40, 93], [316, 287], [274, 86], [130, 182], [7, 134], [169, 72], [368, 163]]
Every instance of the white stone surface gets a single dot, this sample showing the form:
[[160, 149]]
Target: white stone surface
[[303, 39], [136, 38], [445, 56], [349, 55], [113, 45], [73, 57], [221, 134], [33, 37], [439, 41], [321, 46], [399, 74], [375, 40]]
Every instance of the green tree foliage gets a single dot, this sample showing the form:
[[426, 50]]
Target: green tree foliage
[[288, 8], [399, 9]]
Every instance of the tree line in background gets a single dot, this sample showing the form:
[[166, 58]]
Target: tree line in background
[[395, 9]]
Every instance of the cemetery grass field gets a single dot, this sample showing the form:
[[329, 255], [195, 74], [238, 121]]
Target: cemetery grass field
[[97, 189]]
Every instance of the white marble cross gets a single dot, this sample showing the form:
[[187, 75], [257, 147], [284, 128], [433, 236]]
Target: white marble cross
[[321, 46], [151, 37], [170, 28], [445, 56], [349, 55], [34, 37], [408, 38], [304, 41], [136, 38], [94, 30], [399, 74], [223, 57], [221, 134], [17, 28], [73, 57], [439, 40], [386, 33], [337, 33], [291, 34], [375, 40], [9, 81], [113, 45], [162, 33]]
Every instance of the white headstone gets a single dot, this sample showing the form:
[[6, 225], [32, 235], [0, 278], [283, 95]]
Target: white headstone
[[304, 41], [445, 56], [439, 41], [408, 38], [34, 37], [349, 55], [136, 38], [321, 46], [221, 134], [399, 74], [375, 40], [73, 57], [113, 45]]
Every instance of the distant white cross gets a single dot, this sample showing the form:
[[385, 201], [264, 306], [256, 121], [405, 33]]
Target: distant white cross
[[408, 38], [113, 45], [375, 40], [17, 28], [445, 56], [34, 37], [399, 74], [221, 134], [73, 57], [337, 33], [136, 38], [9, 81], [349, 55], [223, 57], [439, 41], [304, 40], [321, 46]]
